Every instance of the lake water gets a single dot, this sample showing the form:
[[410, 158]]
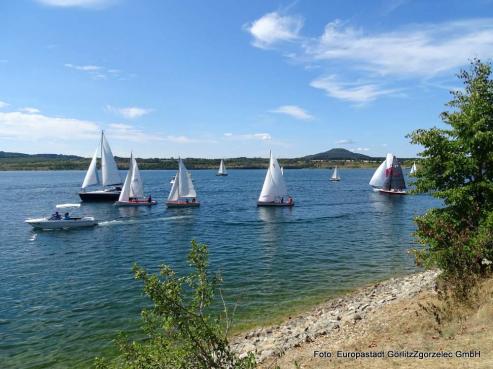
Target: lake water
[[65, 294]]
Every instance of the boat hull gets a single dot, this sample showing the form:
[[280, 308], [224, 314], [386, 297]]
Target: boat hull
[[390, 192], [45, 223], [182, 204], [275, 204], [334, 179], [222, 175], [136, 203], [99, 196]]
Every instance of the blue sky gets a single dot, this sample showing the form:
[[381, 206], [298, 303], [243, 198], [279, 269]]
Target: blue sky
[[231, 78]]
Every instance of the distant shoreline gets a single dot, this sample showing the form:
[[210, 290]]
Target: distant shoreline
[[17, 164]]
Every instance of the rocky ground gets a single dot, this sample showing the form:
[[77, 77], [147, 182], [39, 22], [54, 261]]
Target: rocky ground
[[331, 317]]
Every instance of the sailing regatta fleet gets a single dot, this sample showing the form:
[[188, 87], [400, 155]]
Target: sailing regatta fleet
[[106, 185]]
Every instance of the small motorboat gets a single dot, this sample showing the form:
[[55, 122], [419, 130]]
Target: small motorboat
[[57, 221]]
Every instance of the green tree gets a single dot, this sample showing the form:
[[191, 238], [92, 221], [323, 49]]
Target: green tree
[[180, 330], [456, 166]]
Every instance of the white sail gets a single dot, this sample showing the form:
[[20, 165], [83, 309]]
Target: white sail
[[125, 194], [109, 170], [335, 173], [274, 188], [92, 177], [222, 168], [413, 168], [185, 184], [173, 194], [378, 177], [136, 186], [282, 170]]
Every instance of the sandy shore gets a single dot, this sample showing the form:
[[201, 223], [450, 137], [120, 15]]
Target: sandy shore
[[331, 317]]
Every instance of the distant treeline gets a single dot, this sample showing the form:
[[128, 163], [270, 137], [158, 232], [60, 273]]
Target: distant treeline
[[62, 162]]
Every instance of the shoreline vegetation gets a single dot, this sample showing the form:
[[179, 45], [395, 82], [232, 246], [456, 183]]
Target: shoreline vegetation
[[340, 157]]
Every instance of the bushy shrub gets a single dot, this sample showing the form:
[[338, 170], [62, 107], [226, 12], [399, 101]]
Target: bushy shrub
[[456, 166], [180, 330]]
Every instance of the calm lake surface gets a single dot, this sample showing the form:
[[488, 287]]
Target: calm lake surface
[[65, 294]]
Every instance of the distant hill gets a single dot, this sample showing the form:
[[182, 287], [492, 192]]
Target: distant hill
[[5, 154], [328, 159], [338, 154]]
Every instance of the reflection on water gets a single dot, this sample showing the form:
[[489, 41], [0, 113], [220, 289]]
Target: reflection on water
[[65, 294]]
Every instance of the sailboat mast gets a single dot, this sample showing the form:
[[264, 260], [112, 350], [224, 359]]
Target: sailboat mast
[[101, 148]]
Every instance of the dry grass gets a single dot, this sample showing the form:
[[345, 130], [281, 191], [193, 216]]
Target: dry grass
[[424, 323]]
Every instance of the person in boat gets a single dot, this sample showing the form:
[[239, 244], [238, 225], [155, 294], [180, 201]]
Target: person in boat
[[290, 200], [55, 216], [193, 200], [149, 199], [282, 200], [66, 216], [186, 201]]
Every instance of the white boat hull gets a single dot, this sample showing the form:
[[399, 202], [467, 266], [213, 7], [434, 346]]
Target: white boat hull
[[136, 203], [392, 192], [275, 204], [46, 223]]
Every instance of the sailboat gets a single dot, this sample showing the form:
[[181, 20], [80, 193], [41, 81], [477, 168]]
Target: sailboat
[[388, 178], [109, 179], [335, 175], [182, 192], [222, 169], [413, 169], [133, 189], [274, 191]]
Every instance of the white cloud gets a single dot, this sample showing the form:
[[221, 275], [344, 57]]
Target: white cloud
[[30, 110], [273, 28], [128, 132], [249, 136], [77, 3], [85, 68], [344, 142], [410, 52], [130, 112], [20, 125], [3, 104], [352, 92], [182, 139], [361, 149], [99, 72], [293, 111], [417, 50]]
